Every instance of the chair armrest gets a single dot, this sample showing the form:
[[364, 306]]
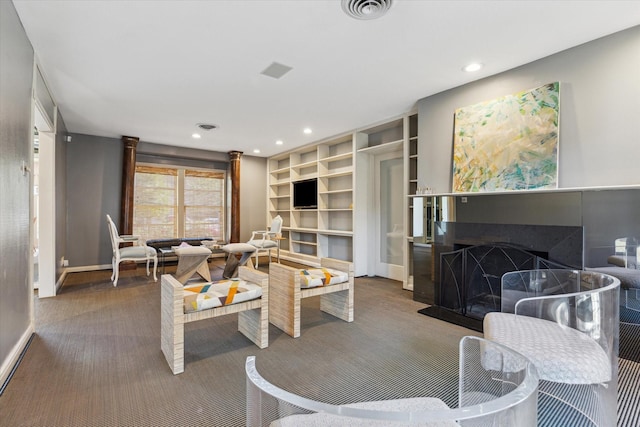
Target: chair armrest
[[128, 238], [262, 235], [258, 233], [337, 264]]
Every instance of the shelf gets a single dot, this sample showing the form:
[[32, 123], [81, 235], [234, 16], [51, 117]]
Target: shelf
[[517, 192], [387, 147], [302, 242], [278, 171], [300, 230], [335, 174], [305, 165], [336, 210], [346, 190], [279, 184], [336, 157], [336, 232]]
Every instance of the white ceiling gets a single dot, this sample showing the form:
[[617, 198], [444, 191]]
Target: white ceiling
[[153, 69]]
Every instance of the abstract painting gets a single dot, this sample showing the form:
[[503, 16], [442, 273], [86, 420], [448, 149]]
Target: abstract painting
[[509, 143]]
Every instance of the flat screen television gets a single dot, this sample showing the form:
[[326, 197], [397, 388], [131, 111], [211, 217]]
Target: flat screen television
[[305, 194]]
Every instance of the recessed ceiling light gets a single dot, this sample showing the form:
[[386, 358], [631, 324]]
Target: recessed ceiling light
[[474, 66], [195, 136], [279, 142], [256, 151], [307, 131]]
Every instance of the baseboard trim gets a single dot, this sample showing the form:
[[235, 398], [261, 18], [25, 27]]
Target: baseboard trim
[[13, 360], [83, 268], [61, 280]]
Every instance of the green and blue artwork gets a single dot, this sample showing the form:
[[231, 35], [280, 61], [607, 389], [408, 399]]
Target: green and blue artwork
[[509, 143]]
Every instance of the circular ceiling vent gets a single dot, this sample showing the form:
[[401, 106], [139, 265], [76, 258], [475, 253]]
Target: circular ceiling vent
[[366, 9], [205, 126]]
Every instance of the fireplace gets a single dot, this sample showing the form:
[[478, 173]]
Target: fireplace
[[470, 259], [470, 277]]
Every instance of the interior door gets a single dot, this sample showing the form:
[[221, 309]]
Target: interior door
[[389, 220]]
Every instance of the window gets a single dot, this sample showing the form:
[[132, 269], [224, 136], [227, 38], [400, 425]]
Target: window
[[173, 202]]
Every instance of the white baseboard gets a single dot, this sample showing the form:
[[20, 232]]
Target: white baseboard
[[61, 280], [84, 268], [14, 355]]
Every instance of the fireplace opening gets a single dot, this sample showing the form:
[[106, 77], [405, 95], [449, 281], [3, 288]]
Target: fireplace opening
[[469, 260], [470, 276]]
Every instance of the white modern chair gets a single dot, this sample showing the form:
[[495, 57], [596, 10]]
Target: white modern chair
[[496, 387], [566, 322], [263, 240], [137, 253]]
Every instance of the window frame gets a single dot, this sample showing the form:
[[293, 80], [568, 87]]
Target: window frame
[[179, 207]]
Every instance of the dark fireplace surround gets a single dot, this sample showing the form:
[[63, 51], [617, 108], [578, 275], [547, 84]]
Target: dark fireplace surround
[[470, 259]]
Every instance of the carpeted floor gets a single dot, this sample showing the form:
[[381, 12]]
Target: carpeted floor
[[96, 361]]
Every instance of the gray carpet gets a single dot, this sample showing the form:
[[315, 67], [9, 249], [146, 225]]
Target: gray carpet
[[96, 359]]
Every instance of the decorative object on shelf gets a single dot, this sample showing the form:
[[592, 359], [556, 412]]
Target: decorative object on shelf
[[509, 143], [424, 190]]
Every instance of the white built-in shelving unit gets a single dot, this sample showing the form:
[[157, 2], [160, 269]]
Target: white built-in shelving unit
[[411, 173], [325, 231], [342, 224]]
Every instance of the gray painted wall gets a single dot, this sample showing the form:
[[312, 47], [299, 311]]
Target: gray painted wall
[[599, 89], [253, 196], [599, 146], [16, 75], [94, 178]]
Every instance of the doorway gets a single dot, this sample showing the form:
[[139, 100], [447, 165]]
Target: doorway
[[35, 249], [43, 196], [389, 222]]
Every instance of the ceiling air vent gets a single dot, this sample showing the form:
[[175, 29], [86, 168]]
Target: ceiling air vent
[[205, 126], [366, 9]]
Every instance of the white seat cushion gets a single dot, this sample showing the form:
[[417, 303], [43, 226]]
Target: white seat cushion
[[313, 277], [559, 353], [192, 250], [267, 244], [233, 248], [137, 252], [216, 294], [397, 405]]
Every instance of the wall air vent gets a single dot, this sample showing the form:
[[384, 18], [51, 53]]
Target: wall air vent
[[366, 9]]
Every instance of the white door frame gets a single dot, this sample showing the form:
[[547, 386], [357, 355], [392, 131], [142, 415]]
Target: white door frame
[[46, 126], [384, 269]]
